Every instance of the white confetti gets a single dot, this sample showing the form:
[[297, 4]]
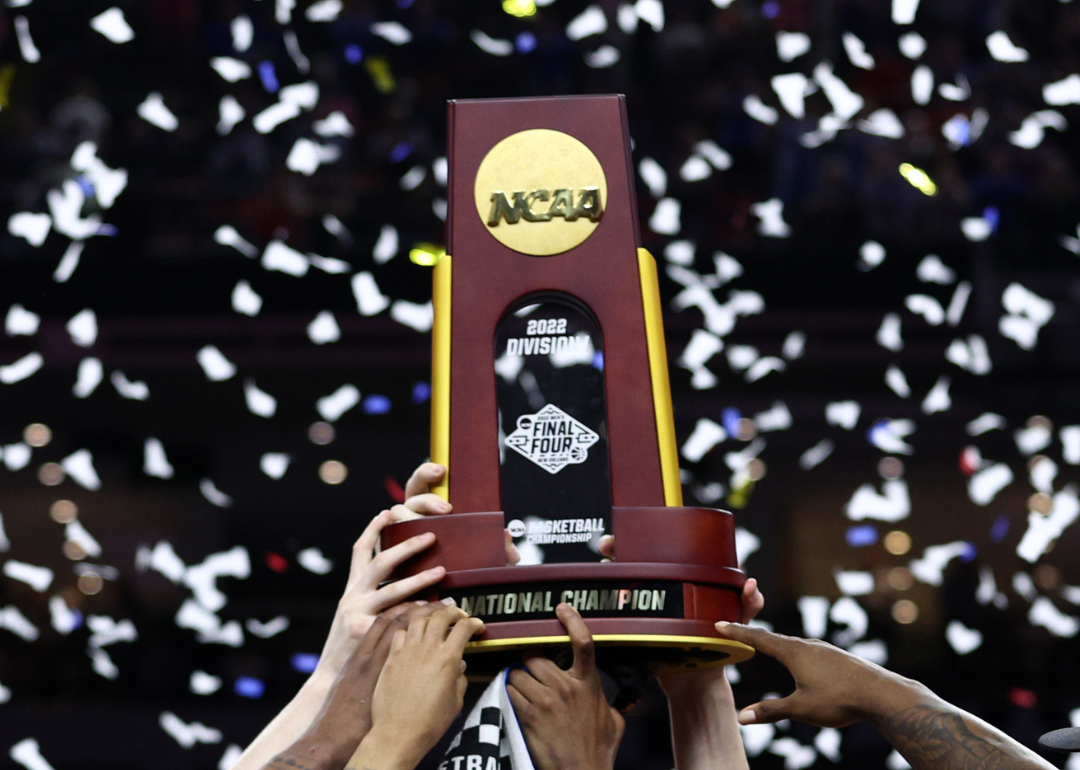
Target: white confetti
[[791, 89], [230, 112], [313, 560], [932, 270], [38, 578], [324, 10], [27, 753], [958, 92], [888, 436], [105, 631], [65, 205], [230, 757], [83, 328], [871, 254], [323, 329], [306, 156], [369, 300], [757, 737], [64, 619], [75, 532], [882, 122], [937, 399], [21, 369], [214, 364], [873, 650], [187, 735], [694, 169], [776, 418], [764, 366], [972, 355], [746, 544], [278, 256], [771, 214], [80, 466], [1003, 49], [703, 345], [334, 124], [680, 252], [1043, 530], [903, 11], [27, 48], [759, 111], [922, 84], [113, 26], [136, 390], [1024, 586], [214, 495], [259, 402], [794, 345], [961, 638], [283, 11], [491, 45], [856, 52], [18, 624], [984, 486], [392, 32], [16, 456], [245, 300], [827, 741], [107, 183], [654, 177], [897, 382], [591, 21], [154, 112], [896, 761], [227, 235], [791, 45], [1042, 474], [958, 303], [415, 316], [329, 264], [651, 12], [843, 413], [243, 33], [796, 756], [892, 504], [89, 376], [665, 217], [1063, 92], [816, 454], [269, 628], [1070, 444], [845, 102], [706, 435], [5, 544], [155, 463], [274, 115], [202, 683], [912, 45], [68, 262], [742, 356], [888, 334], [926, 306], [854, 583], [337, 403], [274, 464], [33, 227], [202, 578], [815, 615], [712, 152], [930, 567], [846, 611], [1043, 613], [984, 423], [413, 177]]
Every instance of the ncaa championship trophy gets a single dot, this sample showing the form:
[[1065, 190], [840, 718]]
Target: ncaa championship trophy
[[551, 406]]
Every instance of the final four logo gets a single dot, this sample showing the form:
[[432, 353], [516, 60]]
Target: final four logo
[[552, 439]]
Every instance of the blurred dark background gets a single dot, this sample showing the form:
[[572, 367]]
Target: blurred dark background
[[162, 282]]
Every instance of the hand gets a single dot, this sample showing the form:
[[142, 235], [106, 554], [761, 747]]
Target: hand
[[364, 599], [833, 688], [564, 715], [420, 501], [345, 717], [420, 691]]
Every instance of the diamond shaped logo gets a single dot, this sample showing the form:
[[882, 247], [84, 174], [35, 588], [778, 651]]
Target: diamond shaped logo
[[552, 439]]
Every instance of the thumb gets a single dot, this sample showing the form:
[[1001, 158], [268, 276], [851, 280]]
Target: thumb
[[772, 710]]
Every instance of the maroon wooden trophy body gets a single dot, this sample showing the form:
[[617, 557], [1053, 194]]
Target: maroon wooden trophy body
[[551, 407]]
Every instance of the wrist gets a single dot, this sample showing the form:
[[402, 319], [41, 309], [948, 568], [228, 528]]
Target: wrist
[[382, 749], [895, 695]]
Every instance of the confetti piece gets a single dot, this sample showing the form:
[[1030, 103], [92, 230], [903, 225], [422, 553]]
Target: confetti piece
[[856, 52], [243, 33], [958, 92], [76, 533], [280, 257], [415, 316], [1043, 530], [230, 113], [306, 156], [680, 252], [892, 504], [932, 270], [984, 423], [33, 227], [896, 761], [746, 544], [961, 638], [796, 755], [845, 102], [1070, 444], [815, 615], [816, 454], [107, 183], [16, 456], [972, 355], [930, 567], [926, 306], [274, 464], [882, 122], [413, 177], [975, 229], [259, 402], [897, 382], [154, 112], [706, 435], [842, 413], [64, 619], [1063, 92], [937, 399], [202, 578], [854, 583], [227, 235], [18, 624], [827, 741], [654, 177], [888, 436], [791, 45], [135, 390], [274, 115], [759, 111], [848, 612], [1042, 474], [113, 26], [742, 357], [105, 631], [202, 683], [369, 300], [65, 205], [313, 560], [873, 650], [757, 737], [1043, 613], [323, 329], [392, 32], [214, 495], [764, 366], [155, 463], [269, 628], [871, 254], [491, 45], [776, 418], [718, 157], [343, 399], [89, 376], [324, 10], [888, 334], [984, 486], [163, 559], [187, 735], [83, 328], [334, 124], [771, 214], [28, 754], [903, 11], [214, 364], [665, 217], [21, 369], [80, 466], [27, 48], [245, 300], [791, 89], [922, 84], [1033, 128], [591, 21], [5, 544], [794, 345], [38, 578]]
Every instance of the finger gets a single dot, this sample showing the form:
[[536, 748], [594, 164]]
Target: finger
[[776, 645], [462, 632], [400, 590], [518, 700], [772, 710], [401, 513], [364, 547], [462, 685], [543, 670], [395, 618], [417, 627], [753, 601], [581, 640], [513, 555], [398, 640], [428, 504], [527, 687], [386, 562], [440, 621], [607, 546], [424, 478]]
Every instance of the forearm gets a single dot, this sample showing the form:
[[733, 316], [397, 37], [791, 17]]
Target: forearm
[[383, 750], [932, 734], [288, 726], [704, 725]]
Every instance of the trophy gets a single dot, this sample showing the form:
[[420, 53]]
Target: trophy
[[551, 405]]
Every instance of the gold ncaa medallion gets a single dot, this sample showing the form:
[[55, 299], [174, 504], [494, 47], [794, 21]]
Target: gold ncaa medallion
[[540, 192]]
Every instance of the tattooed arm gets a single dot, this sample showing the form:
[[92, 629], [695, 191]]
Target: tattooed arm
[[834, 688]]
